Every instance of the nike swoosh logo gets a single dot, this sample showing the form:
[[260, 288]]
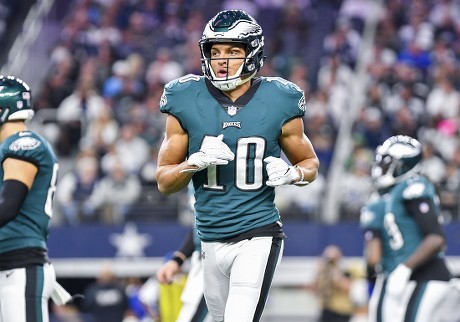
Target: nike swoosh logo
[[8, 274], [24, 133]]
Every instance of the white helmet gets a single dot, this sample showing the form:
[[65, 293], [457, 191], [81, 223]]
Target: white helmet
[[234, 26], [397, 159]]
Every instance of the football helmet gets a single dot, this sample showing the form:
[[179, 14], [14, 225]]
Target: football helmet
[[15, 100], [397, 159], [234, 26]]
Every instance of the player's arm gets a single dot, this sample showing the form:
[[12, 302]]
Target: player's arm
[[372, 253], [299, 150], [18, 178], [425, 214], [169, 269], [173, 151], [171, 159]]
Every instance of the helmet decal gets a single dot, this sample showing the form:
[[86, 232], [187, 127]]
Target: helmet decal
[[15, 100], [24, 143]]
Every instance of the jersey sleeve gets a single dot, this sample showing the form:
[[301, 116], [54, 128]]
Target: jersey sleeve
[[418, 189], [177, 92], [27, 148], [290, 96], [167, 98], [297, 98], [177, 95], [421, 202], [371, 216]]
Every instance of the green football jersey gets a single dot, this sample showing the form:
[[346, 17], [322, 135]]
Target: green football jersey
[[232, 199], [402, 233], [372, 222], [30, 226]]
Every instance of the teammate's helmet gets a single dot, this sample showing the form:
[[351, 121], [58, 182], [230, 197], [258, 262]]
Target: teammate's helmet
[[15, 100], [397, 159], [234, 26]]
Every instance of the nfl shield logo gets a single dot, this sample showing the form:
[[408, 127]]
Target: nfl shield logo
[[231, 110]]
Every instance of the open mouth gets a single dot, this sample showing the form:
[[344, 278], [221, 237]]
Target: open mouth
[[222, 72]]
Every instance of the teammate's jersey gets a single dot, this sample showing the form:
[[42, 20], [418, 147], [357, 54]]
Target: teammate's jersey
[[402, 233], [372, 223], [29, 229], [234, 198]]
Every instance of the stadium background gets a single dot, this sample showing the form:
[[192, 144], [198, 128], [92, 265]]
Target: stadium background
[[365, 79]]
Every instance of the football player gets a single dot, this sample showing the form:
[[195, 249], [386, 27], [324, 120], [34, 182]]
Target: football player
[[405, 237], [28, 180], [226, 131]]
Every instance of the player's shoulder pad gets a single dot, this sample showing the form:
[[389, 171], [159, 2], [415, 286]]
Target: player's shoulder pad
[[24, 144], [366, 216], [418, 187], [369, 215], [288, 88], [178, 85], [25, 141], [182, 82], [372, 211]]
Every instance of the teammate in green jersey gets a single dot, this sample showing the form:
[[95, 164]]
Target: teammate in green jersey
[[226, 132], [414, 282], [28, 175]]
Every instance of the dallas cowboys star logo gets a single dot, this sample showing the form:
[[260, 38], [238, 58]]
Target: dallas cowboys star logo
[[130, 243]]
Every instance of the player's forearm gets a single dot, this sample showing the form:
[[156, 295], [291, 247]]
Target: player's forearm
[[170, 179], [373, 251], [429, 247], [309, 167], [12, 195]]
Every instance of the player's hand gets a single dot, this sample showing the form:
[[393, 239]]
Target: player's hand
[[213, 152], [167, 272], [279, 172], [397, 280]]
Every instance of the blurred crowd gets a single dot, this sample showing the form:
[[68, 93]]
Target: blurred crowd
[[99, 103]]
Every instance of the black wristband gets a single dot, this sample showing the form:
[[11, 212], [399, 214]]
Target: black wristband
[[178, 260]]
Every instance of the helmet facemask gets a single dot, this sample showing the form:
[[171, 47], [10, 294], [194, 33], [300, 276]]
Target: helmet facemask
[[233, 26]]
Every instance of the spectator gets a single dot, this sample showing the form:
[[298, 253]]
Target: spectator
[[164, 68], [332, 286], [443, 102], [75, 189], [105, 299], [449, 192], [102, 132], [433, 166], [132, 149], [356, 185], [74, 113], [114, 194]]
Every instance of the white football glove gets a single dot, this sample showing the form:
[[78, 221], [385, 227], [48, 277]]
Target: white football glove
[[397, 280], [279, 172], [59, 295], [213, 152]]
